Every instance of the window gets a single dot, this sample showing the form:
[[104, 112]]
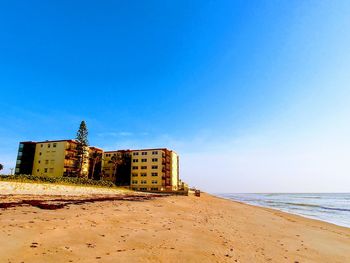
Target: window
[[154, 174], [134, 174], [154, 152], [134, 181], [45, 170], [54, 145], [143, 160], [154, 188], [154, 159], [135, 160], [154, 166], [37, 170], [143, 189], [39, 161], [143, 182], [154, 181], [40, 153], [46, 161], [135, 167], [41, 145], [143, 167], [144, 153], [143, 174], [135, 153]]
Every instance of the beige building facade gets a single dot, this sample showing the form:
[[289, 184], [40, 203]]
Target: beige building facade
[[154, 170]]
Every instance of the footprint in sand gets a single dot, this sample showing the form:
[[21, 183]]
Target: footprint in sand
[[34, 244], [89, 245]]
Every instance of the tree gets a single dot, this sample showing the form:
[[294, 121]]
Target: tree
[[96, 157], [116, 160], [1, 167], [82, 147]]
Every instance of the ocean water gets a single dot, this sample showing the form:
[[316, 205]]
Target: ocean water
[[332, 208]]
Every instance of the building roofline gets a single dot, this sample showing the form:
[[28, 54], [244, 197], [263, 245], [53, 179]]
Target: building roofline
[[152, 149], [117, 151], [140, 150], [47, 141], [93, 147]]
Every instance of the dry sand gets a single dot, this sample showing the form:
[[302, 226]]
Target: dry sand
[[166, 229], [7, 188]]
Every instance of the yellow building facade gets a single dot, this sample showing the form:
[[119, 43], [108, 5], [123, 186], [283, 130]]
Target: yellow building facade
[[58, 158], [108, 170], [154, 170]]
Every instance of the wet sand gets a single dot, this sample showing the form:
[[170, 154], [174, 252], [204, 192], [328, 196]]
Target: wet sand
[[166, 229]]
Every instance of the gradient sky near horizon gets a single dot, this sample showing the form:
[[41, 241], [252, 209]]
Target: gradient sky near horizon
[[253, 95]]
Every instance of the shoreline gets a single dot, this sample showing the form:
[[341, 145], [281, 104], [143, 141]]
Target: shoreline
[[167, 229], [280, 210]]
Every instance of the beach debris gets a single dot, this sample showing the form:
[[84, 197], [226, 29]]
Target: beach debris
[[54, 202]]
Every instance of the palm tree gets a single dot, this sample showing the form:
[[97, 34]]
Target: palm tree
[[116, 160], [96, 157], [1, 167]]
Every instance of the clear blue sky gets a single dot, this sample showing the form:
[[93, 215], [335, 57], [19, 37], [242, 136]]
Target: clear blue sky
[[253, 95]]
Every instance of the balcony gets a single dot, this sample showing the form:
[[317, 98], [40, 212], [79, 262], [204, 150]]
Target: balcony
[[165, 169], [70, 156], [71, 149]]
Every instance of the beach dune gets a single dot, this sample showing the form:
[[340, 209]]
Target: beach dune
[[167, 229]]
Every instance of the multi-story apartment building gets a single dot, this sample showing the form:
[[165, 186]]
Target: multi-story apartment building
[[154, 170], [53, 158], [143, 170]]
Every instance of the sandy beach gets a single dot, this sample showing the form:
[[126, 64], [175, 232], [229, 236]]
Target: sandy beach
[[162, 229]]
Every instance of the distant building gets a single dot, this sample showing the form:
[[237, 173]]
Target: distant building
[[154, 170], [52, 158], [143, 170]]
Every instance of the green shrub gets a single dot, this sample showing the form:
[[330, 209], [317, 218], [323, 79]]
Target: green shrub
[[56, 180]]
